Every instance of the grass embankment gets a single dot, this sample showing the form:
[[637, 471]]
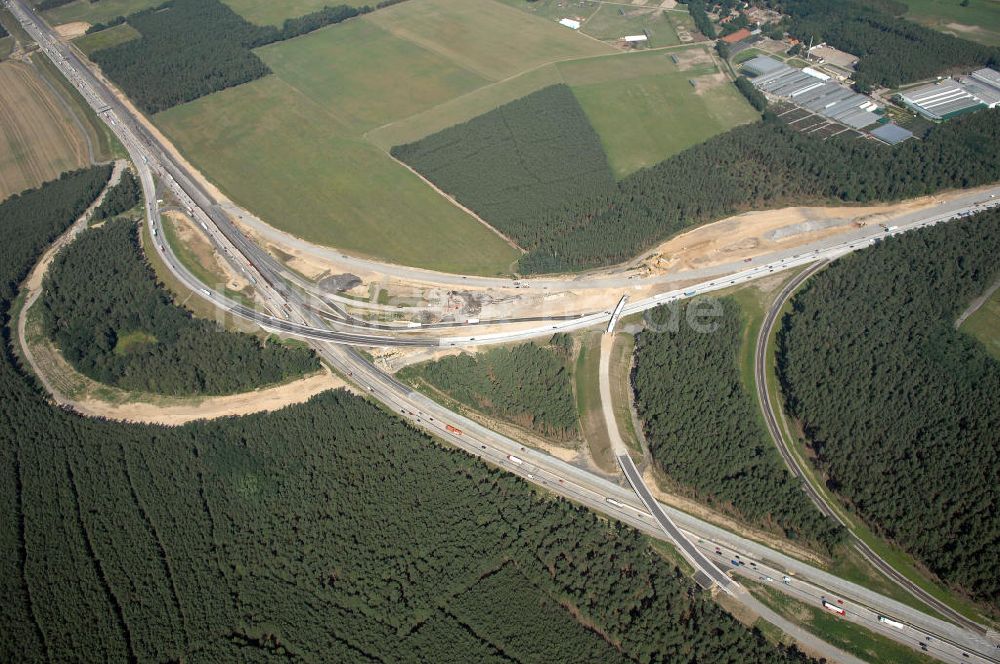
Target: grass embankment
[[197, 255], [105, 144], [849, 637], [586, 376]]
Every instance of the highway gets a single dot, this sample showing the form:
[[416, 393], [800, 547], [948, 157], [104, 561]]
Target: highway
[[777, 434], [580, 485]]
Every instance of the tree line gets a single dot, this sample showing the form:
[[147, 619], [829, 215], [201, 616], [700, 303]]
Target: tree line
[[899, 407], [122, 197], [531, 157], [191, 48], [327, 531], [700, 16], [704, 428], [528, 384], [759, 166], [113, 322], [892, 50]]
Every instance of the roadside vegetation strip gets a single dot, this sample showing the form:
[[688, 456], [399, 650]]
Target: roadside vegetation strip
[[916, 284], [850, 637], [704, 432], [99, 291], [94, 505], [527, 384]]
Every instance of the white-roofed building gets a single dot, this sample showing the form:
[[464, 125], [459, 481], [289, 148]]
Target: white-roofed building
[[571, 23]]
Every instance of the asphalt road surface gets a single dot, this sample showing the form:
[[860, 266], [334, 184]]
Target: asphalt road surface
[[580, 485], [771, 418]]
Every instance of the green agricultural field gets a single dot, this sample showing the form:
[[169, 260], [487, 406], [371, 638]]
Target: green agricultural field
[[6, 46], [645, 109], [364, 76], [107, 38], [462, 109], [553, 10], [612, 22], [980, 21], [274, 12], [492, 39], [97, 12], [985, 324], [281, 155]]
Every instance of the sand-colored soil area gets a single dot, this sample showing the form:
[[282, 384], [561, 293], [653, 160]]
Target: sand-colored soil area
[[759, 233], [72, 30]]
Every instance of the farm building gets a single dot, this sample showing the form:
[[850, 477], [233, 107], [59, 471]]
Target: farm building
[[571, 23], [813, 91], [891, 133]]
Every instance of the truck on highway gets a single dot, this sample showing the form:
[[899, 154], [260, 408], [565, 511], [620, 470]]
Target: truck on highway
[[885, 620], [612, 501], [154, 231], [454, 430], [413, 323], [206, 292], [833, 608], [472, 321], [515, 460], [690, 293]]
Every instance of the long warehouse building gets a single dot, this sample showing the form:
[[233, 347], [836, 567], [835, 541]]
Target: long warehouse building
[[813, 91], [949, 98]]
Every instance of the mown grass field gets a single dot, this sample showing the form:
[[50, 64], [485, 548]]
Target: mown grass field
[[38, 137], [364, 76], [553, 10], [612, 22], [281, 155], [96, 12], [980, 21], [274, 12], [291, 147], [6, 46], [112, 36], [487, 37], [645, 109], [307, 148]]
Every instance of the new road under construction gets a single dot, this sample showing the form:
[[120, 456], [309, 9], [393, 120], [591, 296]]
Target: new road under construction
[[289, 307]]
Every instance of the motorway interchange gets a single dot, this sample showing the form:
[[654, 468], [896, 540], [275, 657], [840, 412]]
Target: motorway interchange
[[290, 308]]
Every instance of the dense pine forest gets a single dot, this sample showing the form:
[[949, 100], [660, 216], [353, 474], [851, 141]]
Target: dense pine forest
[[105, 311], [529, 158], [191, 48], [528, 384], [901, 408], [328, 531], [705, 433], [759, 166], [891, 50], [122, 197]]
